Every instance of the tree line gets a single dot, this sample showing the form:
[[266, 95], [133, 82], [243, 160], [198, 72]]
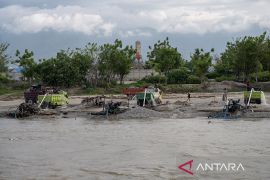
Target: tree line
[[244, 59], [94, 65]]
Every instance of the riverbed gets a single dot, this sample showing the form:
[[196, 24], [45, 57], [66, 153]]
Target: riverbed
[[85, 148]]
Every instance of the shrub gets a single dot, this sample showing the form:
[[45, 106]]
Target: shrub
[[177, 76], [3, 79], [262, 76], [157, 79], [212, 75], [192, 79]]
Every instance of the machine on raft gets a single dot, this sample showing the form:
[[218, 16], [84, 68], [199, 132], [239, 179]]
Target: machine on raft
[[109, 109], [230, 110], [233, 109]]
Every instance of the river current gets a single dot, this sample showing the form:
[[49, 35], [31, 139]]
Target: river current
[[82, 148]]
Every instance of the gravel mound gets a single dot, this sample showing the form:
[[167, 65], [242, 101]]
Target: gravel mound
[[141, 112]]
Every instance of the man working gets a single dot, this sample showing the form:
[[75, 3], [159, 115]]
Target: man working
[[188, 95]]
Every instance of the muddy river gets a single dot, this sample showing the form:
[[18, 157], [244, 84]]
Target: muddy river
[[81, 148]]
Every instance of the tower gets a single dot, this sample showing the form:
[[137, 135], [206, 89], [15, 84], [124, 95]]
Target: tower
[[138, 51]]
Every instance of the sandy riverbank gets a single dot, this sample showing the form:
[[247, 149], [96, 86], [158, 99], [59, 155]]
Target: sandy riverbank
[[173, 106]]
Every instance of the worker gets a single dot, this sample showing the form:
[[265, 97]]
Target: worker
[[225, 95], [188, 95]]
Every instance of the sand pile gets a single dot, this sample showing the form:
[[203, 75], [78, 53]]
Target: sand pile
[[141, 112], [183, 103]]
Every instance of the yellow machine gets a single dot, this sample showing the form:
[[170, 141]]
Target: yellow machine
[[59, 99]]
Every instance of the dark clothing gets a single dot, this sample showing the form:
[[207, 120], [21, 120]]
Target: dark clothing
[[188, 97]]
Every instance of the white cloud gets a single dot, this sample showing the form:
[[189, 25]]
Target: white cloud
[[136, 32], [138, 18], [20, 19], [201, 20]]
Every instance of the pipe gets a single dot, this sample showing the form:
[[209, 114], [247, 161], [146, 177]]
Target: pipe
[[144, 97], [251, 91], [42, 100]]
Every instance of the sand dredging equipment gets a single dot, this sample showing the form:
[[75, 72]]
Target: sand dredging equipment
[[24, 110], [255, 96], [145, 97], [230, 110], [150, 97], [110, 108], [37, 98], [233, 109]]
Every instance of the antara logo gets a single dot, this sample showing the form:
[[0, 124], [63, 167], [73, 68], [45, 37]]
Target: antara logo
[[216, 166], [181, 167]]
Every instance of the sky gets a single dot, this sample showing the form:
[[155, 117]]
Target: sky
[[49, 26]]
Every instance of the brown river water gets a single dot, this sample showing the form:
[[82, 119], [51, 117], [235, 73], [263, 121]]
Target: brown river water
[[82, 148]]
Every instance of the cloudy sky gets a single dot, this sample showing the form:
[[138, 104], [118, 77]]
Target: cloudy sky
[[48, 26]]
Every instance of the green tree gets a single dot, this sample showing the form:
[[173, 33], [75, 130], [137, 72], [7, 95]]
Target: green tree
[[201, 62], [90, 55], [3, 57], [123, 64], [27, 62], [59, 70], [106, 62], [83, 60], [178, 76], [68, 68], [245, 56], [266, 60], [114, 60], [47, 72], [163, 57]]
